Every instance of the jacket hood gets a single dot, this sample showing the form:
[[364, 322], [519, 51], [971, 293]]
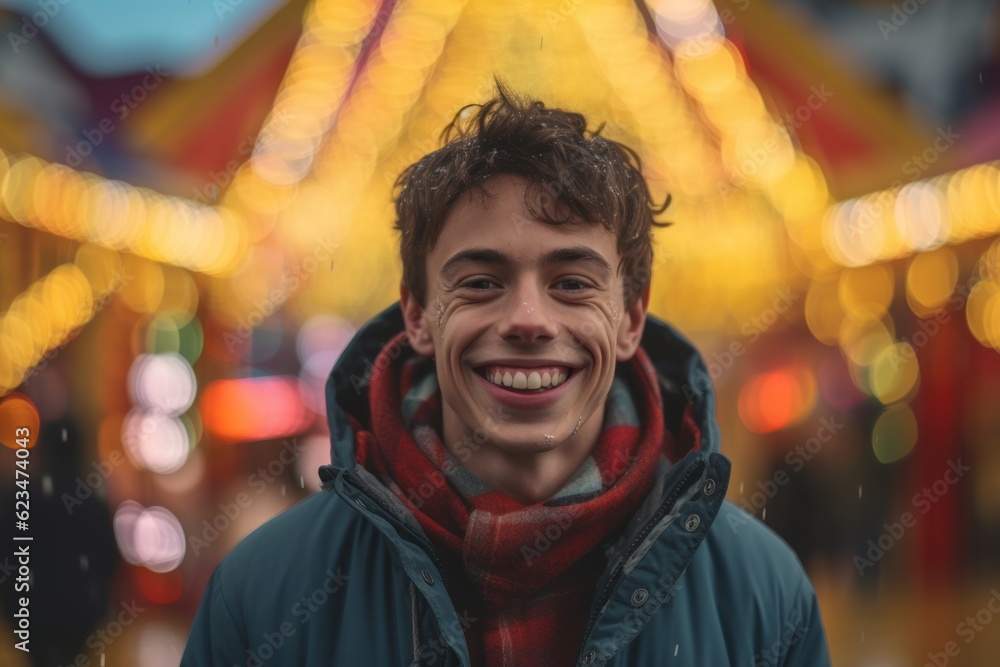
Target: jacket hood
[[681, 370]]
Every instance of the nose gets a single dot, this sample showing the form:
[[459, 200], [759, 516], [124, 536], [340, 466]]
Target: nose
[[525, 315]]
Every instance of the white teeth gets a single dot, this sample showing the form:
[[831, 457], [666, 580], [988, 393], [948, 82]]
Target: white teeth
[[531, 381]]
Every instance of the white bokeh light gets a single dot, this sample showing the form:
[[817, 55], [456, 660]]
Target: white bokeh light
[[691, 21], [155, 441], [162, 382], [151, 537]]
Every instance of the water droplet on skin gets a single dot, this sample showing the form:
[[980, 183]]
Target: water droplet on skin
[[440, 312]]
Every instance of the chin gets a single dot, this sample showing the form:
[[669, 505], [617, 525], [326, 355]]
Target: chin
[[531, 442]]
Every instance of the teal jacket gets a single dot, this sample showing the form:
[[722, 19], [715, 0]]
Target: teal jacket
[[346, 577]]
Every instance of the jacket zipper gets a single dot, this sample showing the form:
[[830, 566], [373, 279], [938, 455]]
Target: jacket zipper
[[641, 535]]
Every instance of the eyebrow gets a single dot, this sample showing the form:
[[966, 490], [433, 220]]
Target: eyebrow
[[558, 256]]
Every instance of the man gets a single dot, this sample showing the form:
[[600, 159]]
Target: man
[[525, 466]]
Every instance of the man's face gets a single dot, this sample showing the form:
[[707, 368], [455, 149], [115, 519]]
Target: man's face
[[514, 306]]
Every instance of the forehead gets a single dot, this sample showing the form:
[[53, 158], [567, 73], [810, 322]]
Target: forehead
[[501, 220]]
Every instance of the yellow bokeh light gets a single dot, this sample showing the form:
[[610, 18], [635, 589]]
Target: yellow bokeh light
[[18, 186], [69, 300], [19, 343], [984, 296], [801, 191], [930, 279], [180, 295], [102, 267], [4, 168], [921, 216], [710, 72], [866, 292], [862, 343], [30, 310], [142, 291], [823, 312], [991, 322], [854, 232], [895, 373], [40, 318], [895, 433]]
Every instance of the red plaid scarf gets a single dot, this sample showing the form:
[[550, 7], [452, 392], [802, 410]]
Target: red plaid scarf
[[532, 568]]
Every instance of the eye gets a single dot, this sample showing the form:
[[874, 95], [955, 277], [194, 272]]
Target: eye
[[472, 284], [574, 285]]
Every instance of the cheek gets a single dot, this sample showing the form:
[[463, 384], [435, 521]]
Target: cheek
[[458, 333], [446, 321], [595, 333]]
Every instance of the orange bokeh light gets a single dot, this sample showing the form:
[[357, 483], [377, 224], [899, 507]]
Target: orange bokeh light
[[258, 408], [777, 399], [18, 419]]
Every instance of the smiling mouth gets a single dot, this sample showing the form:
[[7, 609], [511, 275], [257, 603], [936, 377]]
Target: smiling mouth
[[526, 381]]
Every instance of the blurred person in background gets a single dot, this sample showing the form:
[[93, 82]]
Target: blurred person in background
[[525, 464]]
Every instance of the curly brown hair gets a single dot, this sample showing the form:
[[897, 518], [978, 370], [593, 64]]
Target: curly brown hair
[[589, 178]]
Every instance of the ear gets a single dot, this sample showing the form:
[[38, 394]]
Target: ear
[[417, 328], [631, 327]]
